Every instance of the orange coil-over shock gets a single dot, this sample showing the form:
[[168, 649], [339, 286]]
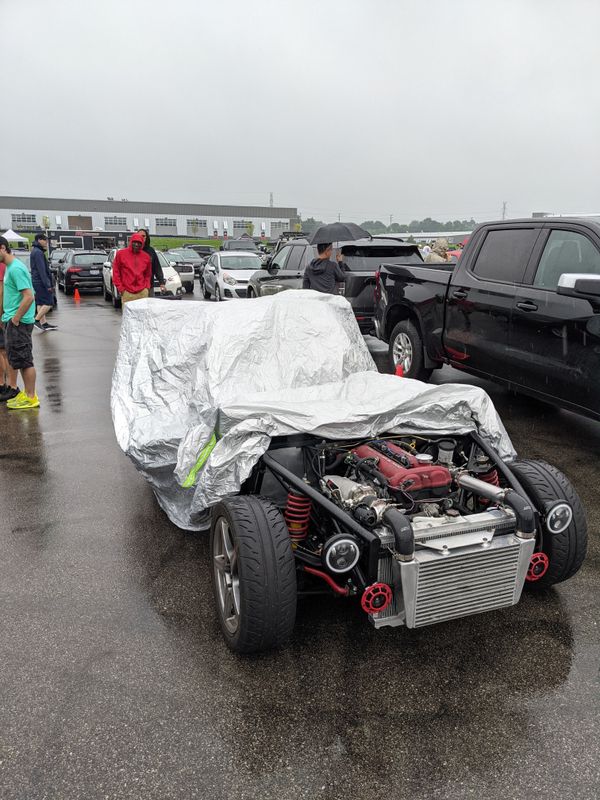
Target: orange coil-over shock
[[297, 515], [493, 479]]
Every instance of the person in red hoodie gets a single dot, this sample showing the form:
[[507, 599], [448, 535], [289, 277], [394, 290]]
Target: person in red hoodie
[[132, 270]]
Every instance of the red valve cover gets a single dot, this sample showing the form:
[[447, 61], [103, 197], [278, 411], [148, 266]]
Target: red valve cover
[[415, 478]]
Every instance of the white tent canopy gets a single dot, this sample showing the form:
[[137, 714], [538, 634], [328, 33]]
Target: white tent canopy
[[11, 236]]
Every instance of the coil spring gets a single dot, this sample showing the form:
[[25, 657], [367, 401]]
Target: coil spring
[[493, 479], [297, 515]]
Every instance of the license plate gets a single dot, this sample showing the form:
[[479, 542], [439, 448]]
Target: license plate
[[94, 272]]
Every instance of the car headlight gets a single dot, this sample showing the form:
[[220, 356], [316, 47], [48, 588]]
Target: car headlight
[[559, 517], [341, 553], [272, 288], [228, 279]]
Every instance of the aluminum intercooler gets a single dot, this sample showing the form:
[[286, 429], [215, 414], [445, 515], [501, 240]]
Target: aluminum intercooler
[[460, 568]]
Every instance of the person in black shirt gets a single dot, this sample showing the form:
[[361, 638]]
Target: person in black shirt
[[157, 272], [322, 274]]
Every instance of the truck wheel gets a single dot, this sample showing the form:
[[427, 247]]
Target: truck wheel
[[565, 551], [254, 573], [406, 348]]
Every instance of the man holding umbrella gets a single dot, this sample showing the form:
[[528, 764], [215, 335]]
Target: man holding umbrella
[[322, 274]]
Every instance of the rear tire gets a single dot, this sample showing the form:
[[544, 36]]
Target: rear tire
[[105, 292], [205, 292], [189, 288], [68, 290], [116, 301], [566, 551], [254, 574], [406, 347]]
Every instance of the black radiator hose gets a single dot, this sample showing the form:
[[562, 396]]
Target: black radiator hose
[[404, 538]]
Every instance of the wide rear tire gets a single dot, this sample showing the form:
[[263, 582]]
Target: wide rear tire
[[253, 573], [566, 551]]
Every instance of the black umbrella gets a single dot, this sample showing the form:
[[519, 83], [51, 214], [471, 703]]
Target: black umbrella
[[339, 232]]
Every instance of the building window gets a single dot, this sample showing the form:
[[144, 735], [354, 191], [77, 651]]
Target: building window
[[115, 223], [24, 221], [165, 222], [197, 227], [241, 225]]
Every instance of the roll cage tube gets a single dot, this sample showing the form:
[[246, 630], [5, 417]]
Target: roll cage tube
[[350, 524]]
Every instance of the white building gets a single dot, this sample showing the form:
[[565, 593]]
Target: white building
[[174, 219]]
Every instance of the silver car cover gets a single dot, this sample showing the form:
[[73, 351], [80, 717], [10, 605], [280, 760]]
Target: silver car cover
[[199, 389]]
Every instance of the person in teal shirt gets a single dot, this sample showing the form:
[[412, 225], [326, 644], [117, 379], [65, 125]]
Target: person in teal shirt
[[18, 316]]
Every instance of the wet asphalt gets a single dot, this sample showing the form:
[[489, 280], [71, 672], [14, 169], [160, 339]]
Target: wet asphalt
[[115, 683]]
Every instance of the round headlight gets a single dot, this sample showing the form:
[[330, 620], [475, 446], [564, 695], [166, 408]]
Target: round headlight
[[559, 518], [341, 553]]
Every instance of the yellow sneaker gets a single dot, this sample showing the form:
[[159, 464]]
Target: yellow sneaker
[[22, 401]]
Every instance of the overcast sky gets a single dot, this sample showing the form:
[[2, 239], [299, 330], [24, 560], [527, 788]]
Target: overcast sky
[[364, 108]]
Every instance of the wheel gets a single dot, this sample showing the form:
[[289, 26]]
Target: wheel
[[68, 289], [189, 288], [105, 292], [406, 348], [60, 286], [205, 291], [251, 294], [217, 293], [564, 551], [253, 572], [116, 301]]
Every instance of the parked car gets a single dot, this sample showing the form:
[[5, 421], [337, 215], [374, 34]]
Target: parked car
[[239, 244], [185, 267], [189, 256], [286, 270], [54, 259], [203, 250], [172, 280], [81, 269], [521, 306], [226, 274]]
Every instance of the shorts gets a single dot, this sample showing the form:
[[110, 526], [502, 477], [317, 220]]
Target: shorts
[[19, 350], [2, 345]]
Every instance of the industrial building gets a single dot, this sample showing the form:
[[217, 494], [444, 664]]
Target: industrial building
[[162, 219]]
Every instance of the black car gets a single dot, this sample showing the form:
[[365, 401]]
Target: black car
[[361, 260], [521, 307], [81, 269], [205, 251], [54, 259], [239, 244]]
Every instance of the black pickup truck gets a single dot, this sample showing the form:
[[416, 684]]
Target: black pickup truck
[[521, 306]]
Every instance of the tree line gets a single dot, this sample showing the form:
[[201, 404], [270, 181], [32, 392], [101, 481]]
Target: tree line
[[416, 226]]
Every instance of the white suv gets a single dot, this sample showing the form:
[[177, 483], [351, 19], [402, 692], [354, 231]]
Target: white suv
[[173, 285]]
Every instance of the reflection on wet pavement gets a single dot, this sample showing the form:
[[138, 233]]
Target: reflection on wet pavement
[[116, 682]]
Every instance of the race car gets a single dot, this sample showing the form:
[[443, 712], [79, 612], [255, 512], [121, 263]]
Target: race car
[[266, 423]]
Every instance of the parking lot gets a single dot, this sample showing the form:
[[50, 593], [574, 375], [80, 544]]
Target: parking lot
[[116, 681]]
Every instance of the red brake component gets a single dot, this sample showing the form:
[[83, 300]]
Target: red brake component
[[376, 598], [416, 477], [538, 566]]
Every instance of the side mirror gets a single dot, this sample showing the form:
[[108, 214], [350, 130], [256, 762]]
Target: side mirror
[[579, 285]]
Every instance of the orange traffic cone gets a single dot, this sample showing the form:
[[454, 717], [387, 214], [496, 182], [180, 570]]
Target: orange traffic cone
[[399, 371], [76, 295]]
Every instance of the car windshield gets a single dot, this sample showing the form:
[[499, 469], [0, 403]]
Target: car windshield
[[243, 245], [357, 257], [89, 259], [176, 257], [189, 255], [162, 259], [240, 262]]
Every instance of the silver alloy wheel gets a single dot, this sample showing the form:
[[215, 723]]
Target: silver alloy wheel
[[225, 564], [402, 351]]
